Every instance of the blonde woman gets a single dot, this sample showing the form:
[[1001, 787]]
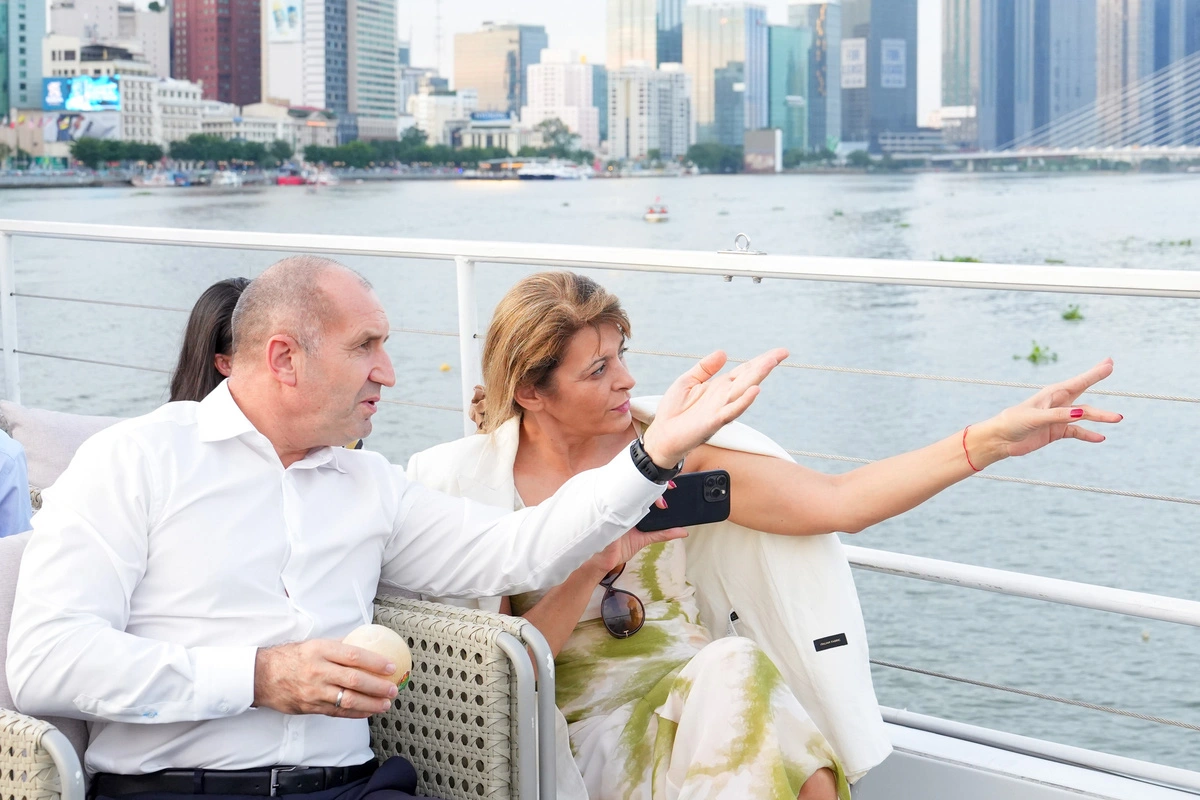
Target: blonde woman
[[656, 707]]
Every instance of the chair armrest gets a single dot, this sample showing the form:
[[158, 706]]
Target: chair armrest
[[471, 720], [36, 761]]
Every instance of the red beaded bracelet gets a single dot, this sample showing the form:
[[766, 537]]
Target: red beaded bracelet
[[968, 455]]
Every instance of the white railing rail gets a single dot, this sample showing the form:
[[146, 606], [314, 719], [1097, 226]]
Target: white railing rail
[[1035, 587], [1016, 277], [467, 254]]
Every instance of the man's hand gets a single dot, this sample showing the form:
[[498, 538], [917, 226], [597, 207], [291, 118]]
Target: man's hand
[[698, 404], [305, 678]]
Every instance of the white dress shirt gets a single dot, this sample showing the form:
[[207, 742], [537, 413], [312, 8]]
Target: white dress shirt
[[176, 544]]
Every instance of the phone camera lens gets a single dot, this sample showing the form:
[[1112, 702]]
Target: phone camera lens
[[711, 480]]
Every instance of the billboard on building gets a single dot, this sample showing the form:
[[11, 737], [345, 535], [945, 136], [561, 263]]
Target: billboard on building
[[854, 63], [82, 93], [763, 150], [71, 127], [283, 21], [492, 116], [893, 63]]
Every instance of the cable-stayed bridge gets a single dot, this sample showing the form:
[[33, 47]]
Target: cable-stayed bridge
[[1156, 117]]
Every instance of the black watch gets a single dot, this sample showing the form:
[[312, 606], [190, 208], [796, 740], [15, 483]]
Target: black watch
[[646, 465]]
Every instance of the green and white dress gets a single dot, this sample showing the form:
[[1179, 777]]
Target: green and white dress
[[672, 713]]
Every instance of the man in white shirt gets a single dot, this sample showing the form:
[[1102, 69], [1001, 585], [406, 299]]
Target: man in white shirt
[[193, 570]]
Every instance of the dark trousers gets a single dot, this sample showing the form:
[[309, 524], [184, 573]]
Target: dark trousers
[[396, 779]]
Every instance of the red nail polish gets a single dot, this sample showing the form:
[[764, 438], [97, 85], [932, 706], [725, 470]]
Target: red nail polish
[[670, 484], [1120, 417], [1076, 413]]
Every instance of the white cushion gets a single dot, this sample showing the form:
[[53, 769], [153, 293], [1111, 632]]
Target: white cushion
[[50, 438]]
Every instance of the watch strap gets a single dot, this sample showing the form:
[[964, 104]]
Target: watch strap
[[646, 465]]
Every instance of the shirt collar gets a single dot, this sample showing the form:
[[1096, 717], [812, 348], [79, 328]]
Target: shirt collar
[[220, 418]]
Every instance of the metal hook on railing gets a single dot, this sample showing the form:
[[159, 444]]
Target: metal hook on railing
[[741, 247]]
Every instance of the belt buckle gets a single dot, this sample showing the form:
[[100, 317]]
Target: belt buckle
[[275, 778]]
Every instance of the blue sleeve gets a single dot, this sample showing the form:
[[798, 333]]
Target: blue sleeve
[[15, 511]]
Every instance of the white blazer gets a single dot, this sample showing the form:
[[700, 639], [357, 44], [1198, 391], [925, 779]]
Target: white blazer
[[794, 595]]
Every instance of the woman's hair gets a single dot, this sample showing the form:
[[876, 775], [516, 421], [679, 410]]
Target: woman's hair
[[209, 332], [530, 331]]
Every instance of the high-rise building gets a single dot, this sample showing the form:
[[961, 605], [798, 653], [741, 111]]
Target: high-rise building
[[787, 95], [1176, 36], [670, 31], [631, 28], [560, 87], [334, 46], [21, 82], [649, 109], [219, 45], [1037, 65], [879, 68], [438, 114], [729, 104], [1124, 56], [723, 36], [960, 52], [824, 20], [338, 55], [600, 97], [644, 32], [372, 70], [120, 23], [494, 62]]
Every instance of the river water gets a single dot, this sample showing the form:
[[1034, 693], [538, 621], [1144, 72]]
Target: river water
[[1144, 221]]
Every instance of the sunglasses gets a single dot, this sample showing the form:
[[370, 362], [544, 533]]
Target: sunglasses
[[622, 611]]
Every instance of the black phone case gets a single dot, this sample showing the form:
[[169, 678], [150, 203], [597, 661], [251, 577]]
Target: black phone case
[[698, 498]]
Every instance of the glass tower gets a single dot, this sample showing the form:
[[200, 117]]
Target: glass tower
[[824, 97], [719, 36], [788, 84], [494, 62]]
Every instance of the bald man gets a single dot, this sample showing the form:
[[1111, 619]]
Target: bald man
[[191, 574]]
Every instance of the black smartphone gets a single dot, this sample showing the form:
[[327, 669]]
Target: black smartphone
[[698, 498]]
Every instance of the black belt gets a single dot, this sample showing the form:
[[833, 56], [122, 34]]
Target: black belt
[[266, 782]]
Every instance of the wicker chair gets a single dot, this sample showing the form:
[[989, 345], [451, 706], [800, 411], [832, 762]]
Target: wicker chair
[[471, 720]]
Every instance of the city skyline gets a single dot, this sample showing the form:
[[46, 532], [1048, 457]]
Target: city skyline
[[581, 27]]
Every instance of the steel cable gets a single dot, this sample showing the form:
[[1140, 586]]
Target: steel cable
[[1039, 695]]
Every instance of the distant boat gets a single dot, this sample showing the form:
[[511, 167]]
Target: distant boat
[[656, 212], [553, 170], [159, 179], [326, 178], [227, 178], [290, 176]]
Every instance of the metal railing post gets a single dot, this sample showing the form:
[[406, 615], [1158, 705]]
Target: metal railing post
[[468, 347], [8, 319]]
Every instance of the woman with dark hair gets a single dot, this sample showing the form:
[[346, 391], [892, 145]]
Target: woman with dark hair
[[207, 341]]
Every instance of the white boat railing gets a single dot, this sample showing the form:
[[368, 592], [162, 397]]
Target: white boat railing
[[728, 264]]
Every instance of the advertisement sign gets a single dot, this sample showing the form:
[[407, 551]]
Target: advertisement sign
[[81, 93], [491, 116], [854, 63], [283, 21], [893, 63], [71, 127]]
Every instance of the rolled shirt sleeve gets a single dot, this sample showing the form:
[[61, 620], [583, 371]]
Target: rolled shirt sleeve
[[15, 510], [68, 652], [452, 547]]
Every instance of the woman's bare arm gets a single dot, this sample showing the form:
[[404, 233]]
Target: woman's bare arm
[[777, 496]]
